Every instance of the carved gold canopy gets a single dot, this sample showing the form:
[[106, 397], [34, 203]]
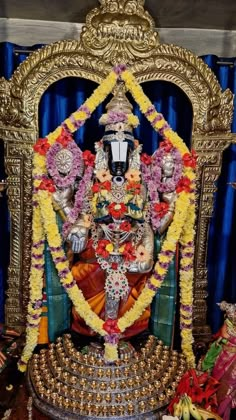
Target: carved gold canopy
[[116, 31]]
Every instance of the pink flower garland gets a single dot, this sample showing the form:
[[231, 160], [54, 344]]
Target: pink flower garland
[[79, 201], [157, 163], [152, 176]]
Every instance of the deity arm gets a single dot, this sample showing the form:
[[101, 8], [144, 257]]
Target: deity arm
[[148, 244], [62, 201], [168, 198], [78, 235]]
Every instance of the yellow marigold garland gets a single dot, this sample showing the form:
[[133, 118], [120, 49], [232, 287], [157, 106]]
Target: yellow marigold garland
[[186, 277], [36, 286], [45, 210]]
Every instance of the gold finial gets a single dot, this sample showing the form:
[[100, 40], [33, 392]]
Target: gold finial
[[119, 102], [119, 115]]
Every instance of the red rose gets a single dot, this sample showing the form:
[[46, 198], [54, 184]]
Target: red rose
[[125, 226], [64, 138], [110, 326], [161, 209], [96, 187], [101, 248], [166, 145], [129, 252], [42, 146], [184, 184], [89, 158], [190, 159], [48, 185], [146, 159], [106, 185], [117, 210]]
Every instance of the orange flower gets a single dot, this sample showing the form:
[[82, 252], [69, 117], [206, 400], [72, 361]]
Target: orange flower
[[103, 175], [133, 175], [48, 185], [89, 158], [117, 210], [183, 185], [41, 146], [135, 187], [161, 209], [142, 254]]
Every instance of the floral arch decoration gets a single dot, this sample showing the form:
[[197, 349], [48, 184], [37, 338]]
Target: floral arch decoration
[[45, 228]]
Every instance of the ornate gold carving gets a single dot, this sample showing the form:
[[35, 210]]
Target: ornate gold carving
[[212, 108], [107, 39], [210, 150], [13, 109], [119, 31]]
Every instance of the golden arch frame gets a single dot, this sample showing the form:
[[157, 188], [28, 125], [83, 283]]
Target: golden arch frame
[[90, 58]]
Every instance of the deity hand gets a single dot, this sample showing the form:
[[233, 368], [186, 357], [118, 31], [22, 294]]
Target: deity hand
[[62, 199], [78, 237], [141, 267]]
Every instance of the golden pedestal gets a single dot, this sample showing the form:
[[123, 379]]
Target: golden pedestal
[[66, 384]]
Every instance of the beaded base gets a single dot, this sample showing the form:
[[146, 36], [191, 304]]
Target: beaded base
[[67, 384]]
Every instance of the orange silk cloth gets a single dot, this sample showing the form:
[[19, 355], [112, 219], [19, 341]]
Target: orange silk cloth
[[90, 278]]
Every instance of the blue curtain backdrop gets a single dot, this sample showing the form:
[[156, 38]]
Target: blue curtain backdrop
[[65, 96]]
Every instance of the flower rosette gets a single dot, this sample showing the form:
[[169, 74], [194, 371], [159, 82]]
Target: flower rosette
[[117, 210], [75, 166]]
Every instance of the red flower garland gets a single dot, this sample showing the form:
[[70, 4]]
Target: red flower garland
[[110, 326]]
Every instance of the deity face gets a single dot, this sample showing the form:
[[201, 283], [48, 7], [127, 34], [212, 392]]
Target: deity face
[[118, 156], [168, 165]]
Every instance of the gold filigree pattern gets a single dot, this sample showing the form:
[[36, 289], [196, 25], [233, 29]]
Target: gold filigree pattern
[[117, 31]]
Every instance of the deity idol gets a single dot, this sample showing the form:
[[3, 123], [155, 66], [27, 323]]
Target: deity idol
[[113, 234], [119, 208]]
